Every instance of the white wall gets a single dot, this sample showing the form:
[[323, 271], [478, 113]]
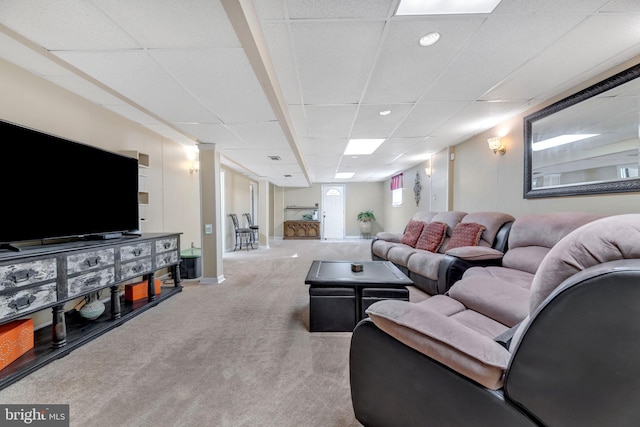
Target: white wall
[[485, 181]]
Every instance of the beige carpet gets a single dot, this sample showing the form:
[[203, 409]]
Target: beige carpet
[[234, 354]]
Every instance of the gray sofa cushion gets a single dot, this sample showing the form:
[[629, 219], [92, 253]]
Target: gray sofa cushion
[[608, 239]]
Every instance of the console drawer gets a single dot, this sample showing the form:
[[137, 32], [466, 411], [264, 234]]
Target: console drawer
[[27, 300], [165, 259], [135, 268], [164, 245], [27, 273], [136, 251], [86, 282], [83, 261]]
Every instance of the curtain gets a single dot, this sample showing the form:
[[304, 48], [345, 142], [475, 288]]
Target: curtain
[[396, 182]]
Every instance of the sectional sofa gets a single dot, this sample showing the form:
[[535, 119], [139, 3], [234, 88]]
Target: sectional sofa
[[547, 338], [435, 260]]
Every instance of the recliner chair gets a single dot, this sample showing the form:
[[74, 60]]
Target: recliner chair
[[573, 361]]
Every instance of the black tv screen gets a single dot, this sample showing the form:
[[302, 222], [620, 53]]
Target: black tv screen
[[55, 188]]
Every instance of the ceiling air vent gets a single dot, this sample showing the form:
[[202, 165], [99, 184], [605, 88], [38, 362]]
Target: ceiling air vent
[[274, 157]]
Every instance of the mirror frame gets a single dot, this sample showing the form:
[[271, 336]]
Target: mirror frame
[[615, 186]]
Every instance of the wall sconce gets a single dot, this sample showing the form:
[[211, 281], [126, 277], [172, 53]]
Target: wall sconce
[[496, 145], [195, 167]]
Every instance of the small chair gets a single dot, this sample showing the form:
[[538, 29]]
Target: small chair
[[252, 227], [243, 235]]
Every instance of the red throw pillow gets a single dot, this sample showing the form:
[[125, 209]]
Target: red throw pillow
[[465, 234], [432, 236], [412, 233]]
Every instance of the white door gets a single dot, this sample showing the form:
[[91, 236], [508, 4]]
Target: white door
[[333, 211]]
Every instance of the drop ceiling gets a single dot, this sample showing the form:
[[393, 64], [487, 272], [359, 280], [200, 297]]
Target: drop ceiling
[[298, 78]]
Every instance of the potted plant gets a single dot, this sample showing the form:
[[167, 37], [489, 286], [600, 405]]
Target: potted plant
[[365, 218]]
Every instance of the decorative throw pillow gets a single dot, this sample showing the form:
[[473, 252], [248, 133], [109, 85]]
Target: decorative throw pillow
[[432, 236], [465, 234], [412, 233]]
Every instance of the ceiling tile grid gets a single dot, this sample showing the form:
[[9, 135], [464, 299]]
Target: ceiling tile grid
[[178, 67]]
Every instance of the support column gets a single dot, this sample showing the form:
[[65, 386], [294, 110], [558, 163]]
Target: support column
[[264, 212], [211, 214]]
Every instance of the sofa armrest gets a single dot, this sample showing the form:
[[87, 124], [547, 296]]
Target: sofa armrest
[[389, 236], [475, 253], [443, 339], [457, 261]]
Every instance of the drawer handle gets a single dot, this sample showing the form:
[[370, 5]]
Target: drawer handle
[[91, 281], [92, 261], [167, 245], [136, 252], [167, 259], [22, 302], [137, 268], [21, 275]]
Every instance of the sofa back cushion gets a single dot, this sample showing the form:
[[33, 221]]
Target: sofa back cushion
[[492, 222], [532, 236], [424, 216], [412, 233], [451, 218], [607, 239], [432, 236], [465, 234]]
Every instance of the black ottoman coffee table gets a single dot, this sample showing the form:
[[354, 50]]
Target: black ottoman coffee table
[[336, 292]]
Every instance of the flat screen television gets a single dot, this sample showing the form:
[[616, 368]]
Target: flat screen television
[[55, 188]]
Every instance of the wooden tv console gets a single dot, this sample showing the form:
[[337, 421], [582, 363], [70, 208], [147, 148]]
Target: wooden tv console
[[48, 276]]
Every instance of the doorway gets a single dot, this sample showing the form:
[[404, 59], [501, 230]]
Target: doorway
[[333, 211]]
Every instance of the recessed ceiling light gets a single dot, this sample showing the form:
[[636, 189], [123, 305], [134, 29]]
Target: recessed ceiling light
[[421, 7], [429, 39], [385, 112], [344, 175], [357, 147]]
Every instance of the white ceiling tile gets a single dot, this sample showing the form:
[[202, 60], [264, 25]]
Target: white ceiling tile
[[214, 134], [370, 124], [137, 76], [56, 25], [17, 53], [339, 9], [222, 80], [334, 59], [270, 9], [492, 58], [173, 24], [330, 121], [550, 7], [425, 117], [263, 135], [578, 49], [404, 69], [280, 50]]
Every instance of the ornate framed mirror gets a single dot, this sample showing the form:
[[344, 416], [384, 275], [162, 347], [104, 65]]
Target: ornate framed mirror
[[587, 143]]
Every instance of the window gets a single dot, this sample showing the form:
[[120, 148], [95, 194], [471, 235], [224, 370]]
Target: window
[[396, 190]]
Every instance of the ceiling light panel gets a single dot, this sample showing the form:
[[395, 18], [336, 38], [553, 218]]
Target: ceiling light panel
[[358, 147], [445, 7], [344, 175]]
